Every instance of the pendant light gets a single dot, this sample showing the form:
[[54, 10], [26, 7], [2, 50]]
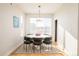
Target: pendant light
[[39, 13]]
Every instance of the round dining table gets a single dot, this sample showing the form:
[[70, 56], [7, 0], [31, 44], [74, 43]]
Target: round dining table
[[38, 36], [32, 36]]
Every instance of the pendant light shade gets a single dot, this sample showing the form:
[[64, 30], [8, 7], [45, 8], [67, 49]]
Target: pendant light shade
[[39, 10], [39, 13]]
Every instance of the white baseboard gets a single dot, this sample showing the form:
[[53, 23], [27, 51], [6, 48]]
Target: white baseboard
[[66, 53]]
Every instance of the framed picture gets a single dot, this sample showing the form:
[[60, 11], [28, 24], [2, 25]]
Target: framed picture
[[16, 22]]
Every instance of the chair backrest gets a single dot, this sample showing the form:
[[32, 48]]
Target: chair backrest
[[37, 39], [27, 38], [48, 39]]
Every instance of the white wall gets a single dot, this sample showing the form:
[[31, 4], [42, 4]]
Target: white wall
[[10, 37], [67, 17], [78, 30]]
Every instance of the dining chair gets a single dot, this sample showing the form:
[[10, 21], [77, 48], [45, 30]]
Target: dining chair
[[37, 42], [48, 41], [27, 41]]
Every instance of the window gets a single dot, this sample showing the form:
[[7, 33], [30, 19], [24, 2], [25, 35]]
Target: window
[[40, 25]]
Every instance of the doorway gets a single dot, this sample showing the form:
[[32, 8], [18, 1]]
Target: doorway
[[56, 22]]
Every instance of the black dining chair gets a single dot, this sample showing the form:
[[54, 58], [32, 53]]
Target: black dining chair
[[48, 41], [27, 41], [37, 42]]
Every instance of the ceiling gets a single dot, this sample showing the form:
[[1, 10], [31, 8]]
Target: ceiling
[[32, 8], [46, 8]]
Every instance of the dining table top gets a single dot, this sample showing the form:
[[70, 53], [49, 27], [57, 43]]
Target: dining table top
[[38, 36]]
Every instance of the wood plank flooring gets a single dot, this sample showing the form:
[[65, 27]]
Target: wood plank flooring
[[58, 54]]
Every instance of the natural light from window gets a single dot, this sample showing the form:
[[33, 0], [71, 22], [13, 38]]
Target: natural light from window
[[40, 26]]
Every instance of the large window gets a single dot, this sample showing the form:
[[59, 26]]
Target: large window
[[40, 26]]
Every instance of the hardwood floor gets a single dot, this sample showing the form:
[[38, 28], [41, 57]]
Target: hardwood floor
[[38, 54]]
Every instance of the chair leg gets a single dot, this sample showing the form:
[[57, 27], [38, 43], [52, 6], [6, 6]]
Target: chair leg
[[33, 49], [23, 46], [51, 47], [29, 48], [40, 48], [48, 47], [26, 47]]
